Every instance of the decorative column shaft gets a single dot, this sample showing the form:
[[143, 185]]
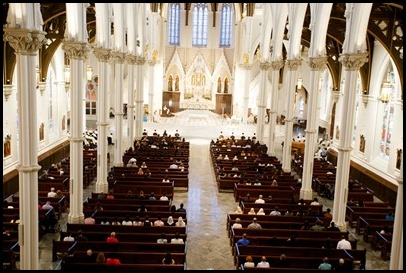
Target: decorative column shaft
[[317, 65], [264, 66], [276, 67], [246, 92], [396, 260], [77, 53], [290, 90], [139, 97], [103, 55], [118, 58], [151, 90], [26, 45], [351, 63], [131, 60]]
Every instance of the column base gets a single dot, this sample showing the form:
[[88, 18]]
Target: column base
[[102, 187], [76, 219], [306, 194], [341, 225], [118, 164]]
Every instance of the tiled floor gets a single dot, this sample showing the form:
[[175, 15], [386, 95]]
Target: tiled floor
[[208, 244]]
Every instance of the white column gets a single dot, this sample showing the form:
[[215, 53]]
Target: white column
[[139, 97], [317, 64], [26, 45], [292, 66], [264, 66], [396, 256], [77, 52], [130, 106], [103, 56], [246, 95], [151, 92], [273, 112], [119, 59], [351, 63]]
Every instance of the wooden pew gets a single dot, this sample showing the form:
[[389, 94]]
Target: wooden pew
[[355, 255], [62, 247], [140, 257], [99, 236], [94, 266], [367, 226], [124, 229], [352, 213], [379, 239]]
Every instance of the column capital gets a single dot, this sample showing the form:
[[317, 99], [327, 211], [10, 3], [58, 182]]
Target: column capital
[[293, 64], [277, 65], [76, 50], [24, 41], [131, 59], [344, 149], [118, 57], [102, 54], [264, 65], [139, 60], [353, 61], [317, 63]]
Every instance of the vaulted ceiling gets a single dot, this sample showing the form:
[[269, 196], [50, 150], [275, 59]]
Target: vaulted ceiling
[[385, 25]]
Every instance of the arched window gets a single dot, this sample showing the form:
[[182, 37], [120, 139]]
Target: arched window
[[226, 25], [174, 23], [386, 96], [219, 85], [200, 17], [225, 85]]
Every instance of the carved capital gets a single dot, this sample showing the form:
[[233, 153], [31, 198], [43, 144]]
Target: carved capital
[[102, 54], [23, 41], [140, 60], [317, 63], [131, 59], [118, 57], [76, 50], [293, 64], [264, 65], [353, 61], [277, 65]]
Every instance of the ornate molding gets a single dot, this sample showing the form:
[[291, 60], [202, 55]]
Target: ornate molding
[[140, 60], [131, 59], [7, 90], [102, 54], [118, 57], [264, 65], [76, 50], [317, 63], [23, 41], [293, 64], [353, 61], [277, 65]]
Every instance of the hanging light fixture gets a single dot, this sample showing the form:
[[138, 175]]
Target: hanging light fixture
[[67, 77], [89, 73], [299, 83]]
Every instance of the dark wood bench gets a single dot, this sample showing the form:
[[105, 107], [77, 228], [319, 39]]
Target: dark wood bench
[[368, 226], [62, 247], [353, 213], [103, 267], [122, 237], [294, 262], [355, 255], [379, 239]]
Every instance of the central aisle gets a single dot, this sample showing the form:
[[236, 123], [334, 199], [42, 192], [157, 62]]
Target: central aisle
[[207, 241]]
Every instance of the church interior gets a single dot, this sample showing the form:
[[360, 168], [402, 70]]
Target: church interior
[[293, 110]]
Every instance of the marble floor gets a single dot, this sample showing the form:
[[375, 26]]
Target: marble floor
[[208, 245]]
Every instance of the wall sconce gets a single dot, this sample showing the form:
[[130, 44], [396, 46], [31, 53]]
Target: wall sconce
[[385, 92], [67, 77], [7, 90], [89, 73], [299, 83]]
